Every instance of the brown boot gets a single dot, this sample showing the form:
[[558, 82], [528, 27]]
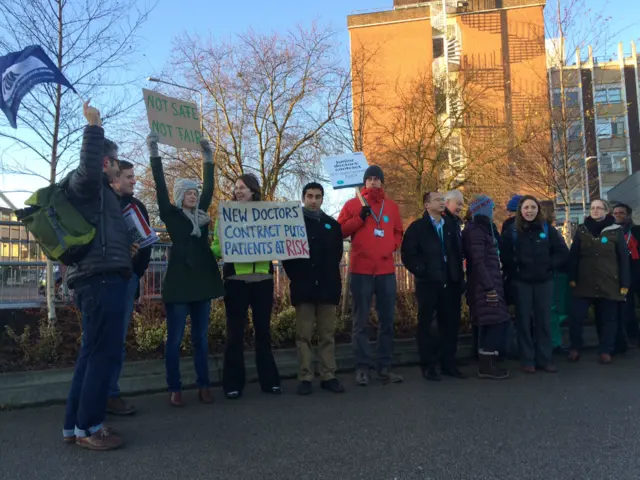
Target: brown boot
[[118, 406], [175, 399], [605, 359], [104, 439], [489, 368], [205, 395]]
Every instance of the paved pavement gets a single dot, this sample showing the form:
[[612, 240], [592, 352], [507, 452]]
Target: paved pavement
[[580, 424]]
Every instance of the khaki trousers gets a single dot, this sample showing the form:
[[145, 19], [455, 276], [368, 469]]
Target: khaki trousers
[[307, 316]]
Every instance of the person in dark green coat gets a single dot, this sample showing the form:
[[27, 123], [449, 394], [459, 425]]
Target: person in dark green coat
[[193, 278], [247, 285]]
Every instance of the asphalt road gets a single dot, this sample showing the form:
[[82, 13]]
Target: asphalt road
[[582, 423]]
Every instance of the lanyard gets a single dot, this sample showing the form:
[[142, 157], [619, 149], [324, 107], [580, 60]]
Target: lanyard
[[379, 217]]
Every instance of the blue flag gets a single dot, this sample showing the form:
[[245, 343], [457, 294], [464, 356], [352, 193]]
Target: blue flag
[[20, 72]]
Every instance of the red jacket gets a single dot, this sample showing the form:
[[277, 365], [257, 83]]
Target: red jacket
[[372, 255]]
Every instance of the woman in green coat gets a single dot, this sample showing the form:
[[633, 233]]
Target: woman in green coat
[[192, 279], [247, 284]]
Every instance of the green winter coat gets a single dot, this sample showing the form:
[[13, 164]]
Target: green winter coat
[[192, 274]]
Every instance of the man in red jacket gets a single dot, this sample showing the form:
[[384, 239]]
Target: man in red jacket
[[376, 233]]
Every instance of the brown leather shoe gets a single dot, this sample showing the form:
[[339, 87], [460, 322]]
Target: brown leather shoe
[[529, 369], [102, 440], [605, 359], [205, 395], [175, 399], [118, 406]]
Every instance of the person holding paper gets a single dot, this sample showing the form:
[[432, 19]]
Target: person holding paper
[[316, 286], [373, 222], [123, 184], [247, 285], [193, 278]]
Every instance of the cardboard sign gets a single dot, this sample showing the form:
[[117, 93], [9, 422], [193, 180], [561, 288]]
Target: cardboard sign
[[175, 121], [140, 231], [261, 231], [346, 170]]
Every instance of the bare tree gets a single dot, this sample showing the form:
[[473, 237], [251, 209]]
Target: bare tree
[[572, 27], [268, 101], [91, 42], [440, 148]]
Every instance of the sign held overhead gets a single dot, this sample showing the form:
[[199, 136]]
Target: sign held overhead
[[176, 122], [346, 171]]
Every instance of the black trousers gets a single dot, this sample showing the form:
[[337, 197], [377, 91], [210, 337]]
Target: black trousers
[[445, 301], [239, 296]]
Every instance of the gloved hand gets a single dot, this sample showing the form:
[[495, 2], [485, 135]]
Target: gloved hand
[[365, 212], [492, 297], [152, 144], [207, 154]]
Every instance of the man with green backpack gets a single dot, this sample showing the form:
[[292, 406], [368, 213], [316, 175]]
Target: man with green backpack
[[99, 279]]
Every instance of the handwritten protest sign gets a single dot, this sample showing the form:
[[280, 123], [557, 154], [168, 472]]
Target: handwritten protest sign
[[262, 231], [176, 122], [346, 170]]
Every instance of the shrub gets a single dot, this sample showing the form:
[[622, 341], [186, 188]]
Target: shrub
[[283, 327], [41, 348], [150, 328]]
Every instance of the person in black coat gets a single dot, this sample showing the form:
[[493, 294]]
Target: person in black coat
[[431, 250], [316, 286], [531, 251]]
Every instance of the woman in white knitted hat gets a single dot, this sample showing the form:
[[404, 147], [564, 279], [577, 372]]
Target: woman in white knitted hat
[[193, 278]]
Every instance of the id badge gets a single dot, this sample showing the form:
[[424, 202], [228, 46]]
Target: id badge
[[378, 233]]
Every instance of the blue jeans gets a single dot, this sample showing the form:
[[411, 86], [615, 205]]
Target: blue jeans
[[129, 300], [363, 288], [100, 302], [176, 322]]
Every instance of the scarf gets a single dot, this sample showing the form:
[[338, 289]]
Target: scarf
[[198, 218], [312, 214]]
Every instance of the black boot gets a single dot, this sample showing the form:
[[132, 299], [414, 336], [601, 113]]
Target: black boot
[[489, 367]]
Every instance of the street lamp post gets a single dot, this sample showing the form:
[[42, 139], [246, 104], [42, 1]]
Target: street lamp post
[[158, 80]]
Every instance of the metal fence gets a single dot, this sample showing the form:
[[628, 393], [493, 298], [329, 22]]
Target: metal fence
[[23, 271]]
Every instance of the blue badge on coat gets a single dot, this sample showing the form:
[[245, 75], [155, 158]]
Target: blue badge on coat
[[327, 226], [604, 240], [386, 219], [543, 235]]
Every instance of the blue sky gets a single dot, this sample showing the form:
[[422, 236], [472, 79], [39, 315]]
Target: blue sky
[[223, 19]]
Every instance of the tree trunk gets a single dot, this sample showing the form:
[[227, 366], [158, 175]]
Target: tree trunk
[[51, 281]]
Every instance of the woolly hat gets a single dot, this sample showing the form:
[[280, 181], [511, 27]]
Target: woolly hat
[[180, 188], [373, 171], [512, 206], [482, 205]]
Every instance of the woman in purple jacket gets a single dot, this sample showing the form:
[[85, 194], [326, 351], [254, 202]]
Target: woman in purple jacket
[[485, 292]]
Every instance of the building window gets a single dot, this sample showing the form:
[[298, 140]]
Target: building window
[[572, 97], [614, 162], [574, 131], [607, 96], [610, 127]]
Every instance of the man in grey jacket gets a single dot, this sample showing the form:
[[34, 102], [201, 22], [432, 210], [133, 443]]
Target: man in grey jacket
[[99, 281]]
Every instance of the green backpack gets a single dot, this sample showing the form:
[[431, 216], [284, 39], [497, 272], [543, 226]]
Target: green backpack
[[63, 233]]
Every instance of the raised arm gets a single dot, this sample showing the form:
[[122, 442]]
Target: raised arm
[[207, 173], [162, 194], [86, 180]]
